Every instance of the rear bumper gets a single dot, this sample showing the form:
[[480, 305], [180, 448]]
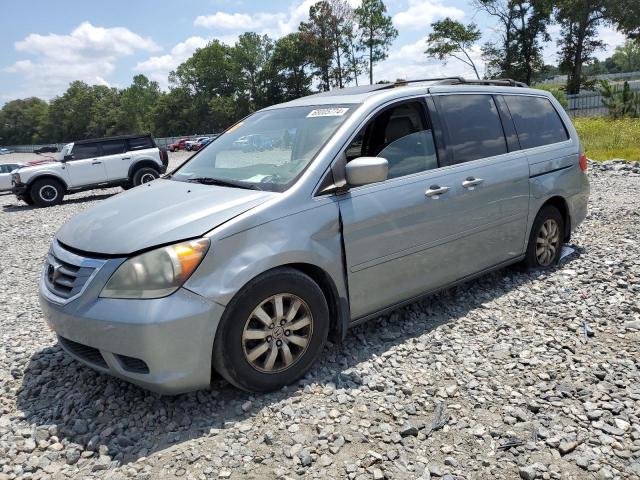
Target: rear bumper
[[163, 344]]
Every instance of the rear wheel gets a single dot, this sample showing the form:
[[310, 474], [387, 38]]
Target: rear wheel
[[545, 240], [46, 192], [144, 175], [272, 331]]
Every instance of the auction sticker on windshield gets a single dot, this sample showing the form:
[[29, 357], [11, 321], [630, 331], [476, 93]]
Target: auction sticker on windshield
[[327, 112]]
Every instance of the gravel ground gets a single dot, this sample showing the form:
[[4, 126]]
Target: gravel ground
[[530, 375]]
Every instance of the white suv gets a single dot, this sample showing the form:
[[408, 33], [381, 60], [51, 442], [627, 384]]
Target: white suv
[[125, 161]]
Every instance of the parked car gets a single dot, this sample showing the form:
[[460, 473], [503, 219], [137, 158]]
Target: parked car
[[46, 149], [203, 142], [125, 161], [247, 263], [5, 151], [254, 142], [189, 144], [5, 175], [179, 145]]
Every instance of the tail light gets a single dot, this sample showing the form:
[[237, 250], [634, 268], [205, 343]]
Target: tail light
[[583, 162]]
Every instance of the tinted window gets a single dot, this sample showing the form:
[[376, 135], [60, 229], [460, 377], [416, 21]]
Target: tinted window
[[400, 135], [113, 147], [140, 143], [85, 150], [472, 126], [536, 121]]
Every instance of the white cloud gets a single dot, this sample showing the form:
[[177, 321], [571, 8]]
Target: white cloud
[[88, 53], [421, 13], [158, 67], [273, 24], [410, 62]]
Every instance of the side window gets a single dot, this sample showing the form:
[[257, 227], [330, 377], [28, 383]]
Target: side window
[[472, 125], [536, 121], [113, 147], [4, 169], [399, 134], [140, 143], [85, 150]]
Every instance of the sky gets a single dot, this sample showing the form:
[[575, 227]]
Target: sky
[[45, 45]]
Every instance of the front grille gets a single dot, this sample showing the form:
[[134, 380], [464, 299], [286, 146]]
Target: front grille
[[85, 352], [65, 274], [132, 364]]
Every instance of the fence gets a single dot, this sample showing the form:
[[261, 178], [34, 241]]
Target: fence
[[160, 141], [589, 104]]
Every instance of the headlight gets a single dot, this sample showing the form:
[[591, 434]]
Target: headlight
[[156, 273]]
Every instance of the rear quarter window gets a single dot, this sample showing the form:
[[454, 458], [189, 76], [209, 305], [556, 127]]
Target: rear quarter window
[[472, 127], [140, 143], [536, 120]]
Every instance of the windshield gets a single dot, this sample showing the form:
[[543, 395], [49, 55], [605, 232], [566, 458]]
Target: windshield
[[66, 150], [267, 150]]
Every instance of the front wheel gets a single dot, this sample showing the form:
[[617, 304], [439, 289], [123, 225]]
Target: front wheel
[[46, 192], [545, 239], [272, 331]]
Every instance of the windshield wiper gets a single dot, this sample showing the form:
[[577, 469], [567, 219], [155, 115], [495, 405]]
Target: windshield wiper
[[223, 183]]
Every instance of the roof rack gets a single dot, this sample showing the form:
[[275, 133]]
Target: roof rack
[[504, 82]]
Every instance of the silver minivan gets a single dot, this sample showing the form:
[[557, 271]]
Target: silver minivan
[[245, 261]]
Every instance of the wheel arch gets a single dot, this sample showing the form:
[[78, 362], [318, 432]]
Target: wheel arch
[[50, 176], [561, 204], [338, 307], [144, 162]]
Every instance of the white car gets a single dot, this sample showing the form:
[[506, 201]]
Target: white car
[[5, 151], [5, 175], [125, 161]]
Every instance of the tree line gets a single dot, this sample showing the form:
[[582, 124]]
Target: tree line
[[337, 46]]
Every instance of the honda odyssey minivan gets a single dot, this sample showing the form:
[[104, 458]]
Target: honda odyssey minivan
[[245, 261]]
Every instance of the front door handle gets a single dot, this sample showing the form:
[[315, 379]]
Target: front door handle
[[126, 158], [96, 162], [472, 182], [435, 191]]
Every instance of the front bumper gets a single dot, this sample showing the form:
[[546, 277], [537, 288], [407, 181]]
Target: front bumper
[[163, 344], [19, 189]]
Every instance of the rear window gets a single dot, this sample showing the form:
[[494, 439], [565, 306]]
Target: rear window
[[140, 143], [85, 150], [113, 147], [472, 126], [536, 121]]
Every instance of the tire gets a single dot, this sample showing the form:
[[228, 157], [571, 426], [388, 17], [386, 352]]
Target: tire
[[46, 192], [234, 345], [545, 239], [144, 175]]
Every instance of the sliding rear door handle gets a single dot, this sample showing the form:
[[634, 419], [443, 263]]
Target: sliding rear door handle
[[435, 191]]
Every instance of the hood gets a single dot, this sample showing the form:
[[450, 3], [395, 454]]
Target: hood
[[156, 213], [40, 161]]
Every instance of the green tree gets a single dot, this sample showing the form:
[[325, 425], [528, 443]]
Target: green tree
[[22, 121], [376, 31], [627, 57], [620, 102], [136, 103], [317, 33], [579, 21], [451, 38], [523, 29], [250, 56], [291, 60]]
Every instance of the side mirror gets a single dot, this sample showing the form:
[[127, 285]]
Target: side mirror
[[365, 170], [67, 158]]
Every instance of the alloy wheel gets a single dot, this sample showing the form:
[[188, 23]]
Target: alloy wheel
[[547, 242], [277, 333]]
